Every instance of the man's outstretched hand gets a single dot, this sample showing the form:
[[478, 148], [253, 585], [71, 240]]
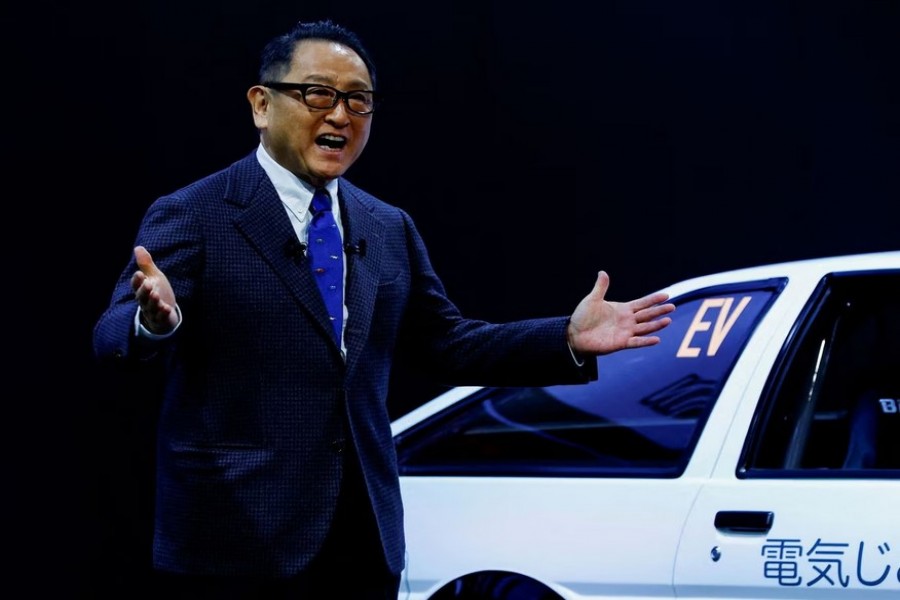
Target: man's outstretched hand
[[599, 326], [154, 293]]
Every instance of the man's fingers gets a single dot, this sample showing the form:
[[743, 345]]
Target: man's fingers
[[144, 261], [653, 311], [649, 300], [602, 284], [643, 342], [642, 329]]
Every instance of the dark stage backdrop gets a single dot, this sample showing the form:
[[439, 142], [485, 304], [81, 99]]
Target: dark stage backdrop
[[533, 146]]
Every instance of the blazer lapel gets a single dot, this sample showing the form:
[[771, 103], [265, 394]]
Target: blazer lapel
[[361, 228], [265, 224]]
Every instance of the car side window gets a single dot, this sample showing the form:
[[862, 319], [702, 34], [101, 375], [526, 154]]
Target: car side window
[[832, 406], [641, 418]]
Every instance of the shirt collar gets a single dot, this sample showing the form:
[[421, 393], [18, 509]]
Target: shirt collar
[[293, 191]]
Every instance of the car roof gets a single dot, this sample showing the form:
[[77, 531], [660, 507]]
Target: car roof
[[809, 268]]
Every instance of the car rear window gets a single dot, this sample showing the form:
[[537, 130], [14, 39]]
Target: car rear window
[[641, 418]]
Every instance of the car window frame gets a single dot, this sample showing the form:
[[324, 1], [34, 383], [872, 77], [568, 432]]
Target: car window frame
[[771, 400]]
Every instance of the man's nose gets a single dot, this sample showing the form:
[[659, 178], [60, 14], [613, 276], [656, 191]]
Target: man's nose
[[339, 113]]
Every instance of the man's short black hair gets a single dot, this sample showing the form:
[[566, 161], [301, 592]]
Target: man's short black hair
[[276, 57]]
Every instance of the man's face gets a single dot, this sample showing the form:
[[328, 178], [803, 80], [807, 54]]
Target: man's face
[[315, 144]]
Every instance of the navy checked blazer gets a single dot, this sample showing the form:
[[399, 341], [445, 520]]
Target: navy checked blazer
[[257, 398]]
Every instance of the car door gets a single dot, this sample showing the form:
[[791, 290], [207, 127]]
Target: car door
[[804, 501]]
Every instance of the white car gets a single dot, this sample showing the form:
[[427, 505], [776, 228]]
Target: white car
[[753, 453]]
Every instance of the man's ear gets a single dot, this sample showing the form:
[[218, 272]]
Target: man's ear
[[259, 104]]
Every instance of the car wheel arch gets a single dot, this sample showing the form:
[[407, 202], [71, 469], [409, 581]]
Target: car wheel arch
[[495, 585]]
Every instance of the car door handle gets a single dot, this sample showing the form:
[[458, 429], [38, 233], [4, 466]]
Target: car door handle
[[744, 521]]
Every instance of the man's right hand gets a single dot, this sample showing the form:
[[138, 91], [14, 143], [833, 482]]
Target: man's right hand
[[154, 293]]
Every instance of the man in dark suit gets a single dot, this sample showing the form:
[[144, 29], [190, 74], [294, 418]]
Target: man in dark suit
[[276, 472]]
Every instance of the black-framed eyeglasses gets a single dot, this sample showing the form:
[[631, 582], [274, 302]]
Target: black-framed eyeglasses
[[316, 95]]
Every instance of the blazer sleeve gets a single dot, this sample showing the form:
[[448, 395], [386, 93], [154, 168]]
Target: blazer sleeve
[[170, 233], [436, 340]]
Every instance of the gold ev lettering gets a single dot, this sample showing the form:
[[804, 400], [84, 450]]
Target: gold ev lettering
[[723, 324]]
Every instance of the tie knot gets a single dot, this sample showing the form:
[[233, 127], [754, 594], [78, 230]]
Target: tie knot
[[321, 201]]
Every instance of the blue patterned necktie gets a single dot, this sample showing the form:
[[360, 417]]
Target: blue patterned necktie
[[327, 258]]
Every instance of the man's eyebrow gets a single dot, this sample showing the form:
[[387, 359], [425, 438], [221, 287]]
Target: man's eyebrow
[[356, 84]]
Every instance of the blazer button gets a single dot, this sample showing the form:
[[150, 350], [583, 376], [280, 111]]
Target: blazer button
[[338, 446]]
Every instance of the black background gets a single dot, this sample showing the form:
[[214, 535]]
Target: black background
[[533, 145]]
